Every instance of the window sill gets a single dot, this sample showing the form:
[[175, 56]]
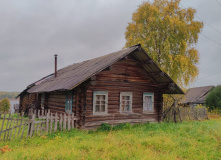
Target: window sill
[[126, 113], [149, 112], [100, 114]]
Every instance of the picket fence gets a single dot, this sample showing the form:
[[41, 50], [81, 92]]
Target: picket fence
[[179, 114], [38, 122]]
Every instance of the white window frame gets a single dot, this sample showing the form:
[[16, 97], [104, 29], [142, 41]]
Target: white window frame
[[130, 94], [95, 93], [152, 97]]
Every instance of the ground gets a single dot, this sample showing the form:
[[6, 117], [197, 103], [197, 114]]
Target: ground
[[187, 140]]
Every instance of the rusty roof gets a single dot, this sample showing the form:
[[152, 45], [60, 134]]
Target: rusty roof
[[71, 76], [197, 95]]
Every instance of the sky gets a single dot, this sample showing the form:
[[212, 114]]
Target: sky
[[32, 31]]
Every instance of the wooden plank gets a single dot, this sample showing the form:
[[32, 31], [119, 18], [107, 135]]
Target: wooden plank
[[56, 122], [20, 124], [51, 123], [60, 125], [72, 121], [32, 125], [64, 124], [69, 122], [26, 123], [2, 125], [7, 127], [47, 122], [11, 130]]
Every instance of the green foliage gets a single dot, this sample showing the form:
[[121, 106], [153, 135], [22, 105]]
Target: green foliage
[[213, 99], [168, 34], [188, 140], [9, 95], [5, 105], [104, 127], [122, 126]]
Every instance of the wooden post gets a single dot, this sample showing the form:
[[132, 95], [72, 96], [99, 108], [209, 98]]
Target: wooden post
[[22, 114], [56, 122], [60, 125], [64, 124], [32, 124], [69, 122], [47, 119], [11, 130], [7, 126], [2, 125], [51, 123], [72, 121]]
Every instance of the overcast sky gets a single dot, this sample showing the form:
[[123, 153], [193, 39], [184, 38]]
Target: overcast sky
[[32, 31]]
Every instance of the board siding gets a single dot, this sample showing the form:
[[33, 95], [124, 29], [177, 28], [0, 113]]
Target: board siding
[[124, 76]]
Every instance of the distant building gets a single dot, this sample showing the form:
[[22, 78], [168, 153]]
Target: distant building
[[196, 96]]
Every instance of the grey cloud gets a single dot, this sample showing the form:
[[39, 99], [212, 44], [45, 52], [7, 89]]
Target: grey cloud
[[32, 31]]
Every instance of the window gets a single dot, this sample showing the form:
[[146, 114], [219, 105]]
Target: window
[[126, 102], [100, 102], [69, 100], [148, 102]]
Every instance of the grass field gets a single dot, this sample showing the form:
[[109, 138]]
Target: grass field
[[187, 140]]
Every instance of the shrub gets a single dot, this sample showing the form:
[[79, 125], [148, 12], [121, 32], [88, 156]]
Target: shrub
[[5, 105], [213, 99], [104, 127], [122, 126]]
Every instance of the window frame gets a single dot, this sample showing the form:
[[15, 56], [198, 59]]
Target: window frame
[[152, 97], [130, 94], [105, 93], [71, 100]]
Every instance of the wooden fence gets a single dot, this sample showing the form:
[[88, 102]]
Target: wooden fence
[[37, 123], [179, 114]]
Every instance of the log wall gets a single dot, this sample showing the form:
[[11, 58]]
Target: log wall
[[27, 100], [123, 76]]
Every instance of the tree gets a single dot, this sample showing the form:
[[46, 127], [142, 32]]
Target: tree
[[213, 99], [5, 105], [168, 34]]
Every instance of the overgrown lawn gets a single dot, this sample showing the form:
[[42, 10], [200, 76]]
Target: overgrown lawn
[[187, 140]]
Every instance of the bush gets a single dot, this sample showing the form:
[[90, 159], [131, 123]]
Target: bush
[[213, 99], [104, 127], [5, 105], [122, 126]]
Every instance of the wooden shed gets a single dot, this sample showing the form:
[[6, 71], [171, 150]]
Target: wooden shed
[[196, 96], [124, 86]]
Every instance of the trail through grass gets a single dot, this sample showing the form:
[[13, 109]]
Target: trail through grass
[[187, 140]]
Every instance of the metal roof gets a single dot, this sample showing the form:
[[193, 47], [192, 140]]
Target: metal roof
[[197, 95], [71, 76]]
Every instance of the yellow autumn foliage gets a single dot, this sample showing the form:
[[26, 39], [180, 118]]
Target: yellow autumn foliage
[[169, 34]]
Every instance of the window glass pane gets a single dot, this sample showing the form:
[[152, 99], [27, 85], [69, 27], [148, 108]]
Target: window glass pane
[[102, 108], [97, 97], [97, 102], [148, 103], [97, 108], [102, 102], [127, 108]]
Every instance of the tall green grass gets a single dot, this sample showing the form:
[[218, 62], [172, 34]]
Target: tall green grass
[[187, 140]]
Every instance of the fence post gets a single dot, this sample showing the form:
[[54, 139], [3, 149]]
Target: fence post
[[60, 125], [64, 124], [2, 125], [7, 126], [32, 124]]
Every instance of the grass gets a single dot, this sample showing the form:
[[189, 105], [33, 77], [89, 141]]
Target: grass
[[187, 140]]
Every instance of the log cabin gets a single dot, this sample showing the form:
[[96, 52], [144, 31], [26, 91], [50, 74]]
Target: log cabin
[[121, 87]]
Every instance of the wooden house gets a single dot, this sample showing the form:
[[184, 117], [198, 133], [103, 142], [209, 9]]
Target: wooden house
[[196, 96], [124, 86]]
